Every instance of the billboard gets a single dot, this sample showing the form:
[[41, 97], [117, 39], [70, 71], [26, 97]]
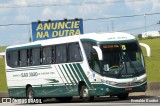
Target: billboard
[[57, 28]]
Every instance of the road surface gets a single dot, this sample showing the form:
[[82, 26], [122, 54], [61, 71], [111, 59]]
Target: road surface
[[103, 101]]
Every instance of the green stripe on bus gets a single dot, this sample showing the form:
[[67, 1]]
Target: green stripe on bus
[[87, 39], [68, 75], [79, 74], [63, 75], [114, 42], [74, 71], [84, 75], [71, 73], [25, 69]]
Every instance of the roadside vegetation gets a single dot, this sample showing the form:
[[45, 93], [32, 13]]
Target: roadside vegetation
[[152, 63], [2, 48], [3, 84]]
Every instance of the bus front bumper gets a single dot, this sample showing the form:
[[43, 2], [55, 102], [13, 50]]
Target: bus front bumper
[[103, 89]]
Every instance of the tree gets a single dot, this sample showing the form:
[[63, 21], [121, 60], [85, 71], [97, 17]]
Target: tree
[[30, 39], [139, 36]]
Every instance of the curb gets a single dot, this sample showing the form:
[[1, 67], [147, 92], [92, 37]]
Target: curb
[[4, 94]]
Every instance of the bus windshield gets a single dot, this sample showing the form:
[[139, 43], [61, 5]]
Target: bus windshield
[[122, 60]]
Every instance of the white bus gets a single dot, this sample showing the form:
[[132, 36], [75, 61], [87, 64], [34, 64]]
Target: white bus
[[86, 65]]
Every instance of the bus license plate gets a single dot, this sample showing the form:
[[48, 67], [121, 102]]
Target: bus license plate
[[128, 89]]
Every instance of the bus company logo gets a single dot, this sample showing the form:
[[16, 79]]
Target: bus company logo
[[13, 100], [6, 100]]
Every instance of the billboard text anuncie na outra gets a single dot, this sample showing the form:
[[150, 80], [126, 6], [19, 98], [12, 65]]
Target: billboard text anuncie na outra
[[56, 28]]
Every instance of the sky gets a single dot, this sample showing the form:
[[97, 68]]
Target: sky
[[103, 11]]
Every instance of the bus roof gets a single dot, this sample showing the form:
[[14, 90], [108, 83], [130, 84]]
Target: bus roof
[[98, 37], [116, 36]]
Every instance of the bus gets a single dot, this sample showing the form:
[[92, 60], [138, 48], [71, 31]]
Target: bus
[[89, 65]]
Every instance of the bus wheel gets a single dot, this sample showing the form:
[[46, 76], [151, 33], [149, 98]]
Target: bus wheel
[[123, 96], [85, 95], [30, 94]]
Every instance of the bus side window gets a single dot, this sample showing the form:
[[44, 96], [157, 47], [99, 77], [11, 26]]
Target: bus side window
[[8, 58], [29, 57], [53, 54], [23, 58], [36, 56], [61, 53], [74, 52], [96, 62], [13, 61], [47, 55], [87, 48], [19, 59]]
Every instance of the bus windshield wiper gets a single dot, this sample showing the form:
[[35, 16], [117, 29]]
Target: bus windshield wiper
[[122, 59], [131, 64], [126, 59]]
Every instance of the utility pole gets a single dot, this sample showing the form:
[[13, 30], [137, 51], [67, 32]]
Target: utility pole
[[29, 34], [145, 24], [107, 28], [159, 24], [112, 25], [159, 27]]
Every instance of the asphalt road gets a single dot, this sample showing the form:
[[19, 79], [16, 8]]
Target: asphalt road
[[103, 101]]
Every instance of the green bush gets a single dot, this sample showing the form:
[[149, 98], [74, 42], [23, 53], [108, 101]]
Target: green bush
[[150, 37]]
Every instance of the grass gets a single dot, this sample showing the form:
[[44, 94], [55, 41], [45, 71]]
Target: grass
[[152, 64], [3, 84], [2, 48]]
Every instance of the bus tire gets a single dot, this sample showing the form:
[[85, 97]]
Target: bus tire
[[123, 96], [84, 94], [30, 93]]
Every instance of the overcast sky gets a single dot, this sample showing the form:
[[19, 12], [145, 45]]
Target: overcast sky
[[27, 11]]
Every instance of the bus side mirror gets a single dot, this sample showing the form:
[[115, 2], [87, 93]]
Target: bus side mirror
[[99, 52]]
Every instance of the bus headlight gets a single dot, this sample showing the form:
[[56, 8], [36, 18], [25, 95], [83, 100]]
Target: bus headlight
[[143, 79], [112, 83]]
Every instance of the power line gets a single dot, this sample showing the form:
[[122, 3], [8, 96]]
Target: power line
[[68, 4], [104, 18], [91, 19], [128, 16], [94, 19], [13, 24], [136, 28]]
